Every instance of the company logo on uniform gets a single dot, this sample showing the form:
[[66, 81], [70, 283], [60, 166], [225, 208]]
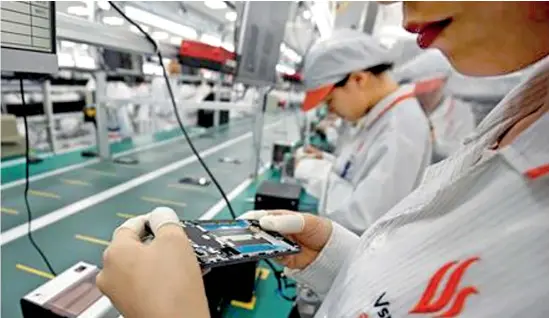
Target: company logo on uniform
[[451, 299]]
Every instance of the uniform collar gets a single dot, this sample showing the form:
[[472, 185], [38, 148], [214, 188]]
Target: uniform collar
[[529, 152], [373, 115], [517, 103]]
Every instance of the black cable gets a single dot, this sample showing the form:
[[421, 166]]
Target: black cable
[[281, 278], [278, 274], [27, 172], [174, 104]]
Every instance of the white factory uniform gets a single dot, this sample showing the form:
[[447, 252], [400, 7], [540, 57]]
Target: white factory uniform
[[452, 122], [472, 240], [381, 164]]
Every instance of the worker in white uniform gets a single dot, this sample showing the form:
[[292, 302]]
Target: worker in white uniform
[[451, 119], [390, 145], [471, 241]]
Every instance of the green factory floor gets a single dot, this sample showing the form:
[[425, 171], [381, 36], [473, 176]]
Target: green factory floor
[[77, 203]]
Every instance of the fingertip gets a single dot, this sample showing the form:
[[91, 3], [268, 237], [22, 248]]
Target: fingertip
[[253, 215], [283, 223], [160, 217]]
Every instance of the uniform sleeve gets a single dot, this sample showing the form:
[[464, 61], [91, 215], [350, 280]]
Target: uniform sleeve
[[331, 135], [393, 167], [320, 274]]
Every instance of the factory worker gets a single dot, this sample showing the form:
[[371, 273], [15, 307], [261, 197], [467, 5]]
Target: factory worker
[[451, 119], [471, 241], [390, 146]]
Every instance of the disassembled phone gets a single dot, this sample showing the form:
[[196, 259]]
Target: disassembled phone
[[225, 242]]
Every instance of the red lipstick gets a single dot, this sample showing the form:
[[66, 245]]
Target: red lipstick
[[428, 32]]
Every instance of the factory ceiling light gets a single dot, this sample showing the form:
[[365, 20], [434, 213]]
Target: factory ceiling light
[[210, 39], [134, 29], [231, 16], [103, 5], [78, 10], [162, 23], [228, 46], [176, 40], [113, 20], [215, 4], [160, 35]]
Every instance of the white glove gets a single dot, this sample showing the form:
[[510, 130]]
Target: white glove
[[156, 219], [277, 221]]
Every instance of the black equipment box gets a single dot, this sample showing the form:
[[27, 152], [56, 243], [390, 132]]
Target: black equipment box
[[275, 195]]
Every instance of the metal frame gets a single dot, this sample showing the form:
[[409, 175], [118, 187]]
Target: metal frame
[[93, 33], [28, 61], [97, 34]]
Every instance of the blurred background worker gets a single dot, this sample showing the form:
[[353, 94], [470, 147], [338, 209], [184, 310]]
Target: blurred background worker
[[389, 147], [451, 119]]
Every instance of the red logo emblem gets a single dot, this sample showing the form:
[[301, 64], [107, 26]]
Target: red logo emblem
[[450, 295]]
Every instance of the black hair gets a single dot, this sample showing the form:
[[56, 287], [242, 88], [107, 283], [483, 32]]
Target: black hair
[[376, 70]]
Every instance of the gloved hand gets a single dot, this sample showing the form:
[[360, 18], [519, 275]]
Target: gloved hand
[[161, 279], [309, 231], [313, 152]]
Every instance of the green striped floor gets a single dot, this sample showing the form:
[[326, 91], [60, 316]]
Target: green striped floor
[[117, 192]]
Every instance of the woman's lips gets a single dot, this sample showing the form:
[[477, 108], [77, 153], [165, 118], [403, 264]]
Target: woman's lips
[[428, 32]]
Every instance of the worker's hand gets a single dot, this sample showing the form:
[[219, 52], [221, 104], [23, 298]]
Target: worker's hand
[[160, 279], [309, 231], [313, 152], [323, 125]]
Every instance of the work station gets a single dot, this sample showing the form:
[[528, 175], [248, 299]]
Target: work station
[[117, 115]]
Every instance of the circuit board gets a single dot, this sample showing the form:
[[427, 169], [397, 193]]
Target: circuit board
[[225, 242]]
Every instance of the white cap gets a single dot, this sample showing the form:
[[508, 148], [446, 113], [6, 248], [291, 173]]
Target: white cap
[[331, 60]]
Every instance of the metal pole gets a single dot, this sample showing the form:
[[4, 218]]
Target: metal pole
[[48, 111], [217, 93], [258, 130], [101, 115]]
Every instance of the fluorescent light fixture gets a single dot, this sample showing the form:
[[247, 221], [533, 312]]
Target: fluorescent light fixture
[[65, 60], [134, 29], [307, 14], [210, 39], [228, 46], [159, 22], [285, 69], [215, 4], [113, 20], [290, 53], [160, 35], [152, 69], [78, 10], [320, 12], [103, 5], [67, 44], [231, 16], [84, 61], [176, 40]]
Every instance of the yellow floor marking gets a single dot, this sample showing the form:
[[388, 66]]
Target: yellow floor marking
[[91, 240], [250, 305], [9, 211], [101, 172], [129, 166], [162, 201], [44, 194], [75, 182], [187, 187], [263, 272], [34, 271], [125, 215]]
